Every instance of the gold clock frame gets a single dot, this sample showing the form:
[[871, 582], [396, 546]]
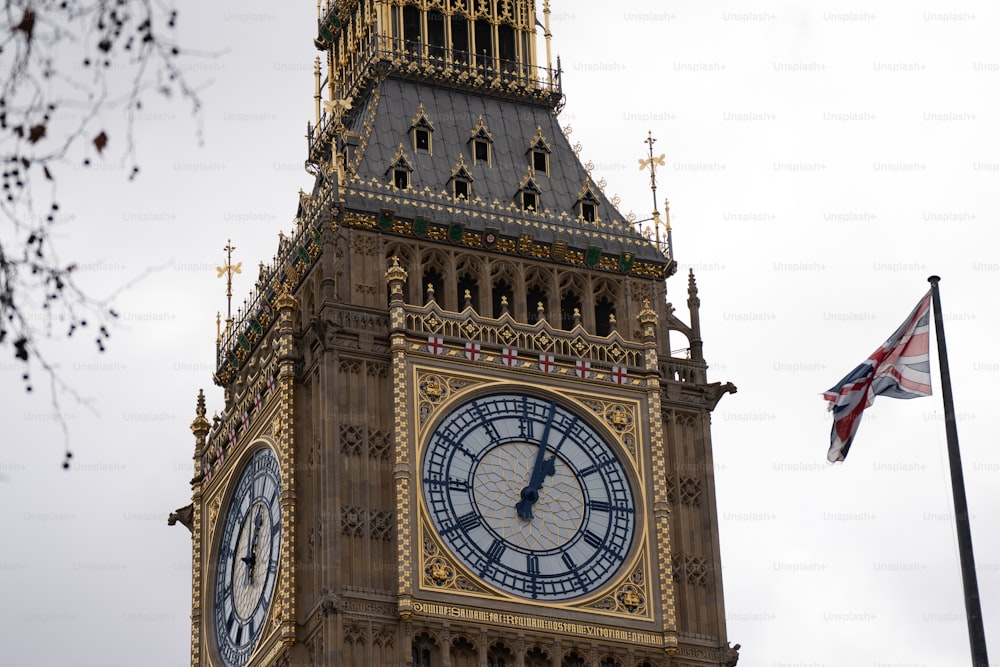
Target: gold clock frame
[[436, 390]]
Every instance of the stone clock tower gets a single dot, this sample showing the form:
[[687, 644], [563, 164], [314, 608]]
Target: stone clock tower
[[454, 434]]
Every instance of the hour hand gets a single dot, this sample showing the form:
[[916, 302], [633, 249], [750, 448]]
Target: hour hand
[[529, 494]]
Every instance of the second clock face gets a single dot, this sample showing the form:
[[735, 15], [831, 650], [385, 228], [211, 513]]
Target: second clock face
[[528, 496]]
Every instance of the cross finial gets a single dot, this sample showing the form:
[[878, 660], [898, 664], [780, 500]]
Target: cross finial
[[228, 270]]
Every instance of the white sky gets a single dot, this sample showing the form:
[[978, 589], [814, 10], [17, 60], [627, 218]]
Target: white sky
[[822, 160]]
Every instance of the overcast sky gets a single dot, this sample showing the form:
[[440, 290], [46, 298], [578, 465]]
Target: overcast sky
[[821, 161]]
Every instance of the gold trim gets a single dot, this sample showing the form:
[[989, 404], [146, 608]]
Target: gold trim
[[597, 405]]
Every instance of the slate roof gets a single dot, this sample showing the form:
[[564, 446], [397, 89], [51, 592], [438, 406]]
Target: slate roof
[[384, 121]]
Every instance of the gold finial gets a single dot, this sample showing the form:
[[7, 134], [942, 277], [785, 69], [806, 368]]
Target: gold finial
[[430, 291], [468, 298], [541, 311], [228, 270], [652, 162], [546, 11], [218, 328], [504, 306], [319, 88]]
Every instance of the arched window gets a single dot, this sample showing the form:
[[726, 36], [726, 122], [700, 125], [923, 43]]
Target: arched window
[[536, 295], [569, 308], [463, 653], [501, 288], [467, 282], [500, 655], [604, 310], [434, 278], [536, 657], [574, 659]]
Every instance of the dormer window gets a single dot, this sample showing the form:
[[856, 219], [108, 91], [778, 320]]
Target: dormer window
[[587, 203], [400, 169], [529, 201], [538, 153], [421, 140], [422, 131], [529, 193], [540, 162], [482, 143], [481, 151], [461, 180]]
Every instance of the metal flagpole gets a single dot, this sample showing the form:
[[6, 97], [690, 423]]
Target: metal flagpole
[[973, 612]]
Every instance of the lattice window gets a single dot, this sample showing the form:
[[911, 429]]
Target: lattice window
[[690, 491], [352, 441], [382, 524], [380, 445], [352, 518]]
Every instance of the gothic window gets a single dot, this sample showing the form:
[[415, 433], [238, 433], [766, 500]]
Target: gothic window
[[459, 38], [411, 28], [462, 189], [610, 662], [500, 656], [536, 657], [604, 310], [421, 657], [484, 44], [401, 178], [435, 34], [433, 278], [574, 659], [502, 288], [463, 653], [535, 295], [569, 308], [425, 651], [467, 282], [508, 54]]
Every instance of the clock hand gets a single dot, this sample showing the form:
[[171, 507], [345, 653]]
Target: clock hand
[[251, 558], [543, 468]]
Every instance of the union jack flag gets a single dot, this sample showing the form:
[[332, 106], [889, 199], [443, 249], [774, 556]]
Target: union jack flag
[[899, 368]]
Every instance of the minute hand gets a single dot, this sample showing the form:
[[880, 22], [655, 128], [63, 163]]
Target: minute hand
[[543, 468]]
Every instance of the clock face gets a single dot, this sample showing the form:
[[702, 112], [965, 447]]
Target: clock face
[[528, 496], [248, 559]]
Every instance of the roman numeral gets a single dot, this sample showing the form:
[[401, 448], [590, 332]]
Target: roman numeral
[[592, 539], [464, 523], [533, 566], [588, 471], [469, 521], [600, 506], [496, 550], [458, 485], [568, 560]]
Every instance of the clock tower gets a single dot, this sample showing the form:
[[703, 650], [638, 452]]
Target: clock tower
[[454, 433]]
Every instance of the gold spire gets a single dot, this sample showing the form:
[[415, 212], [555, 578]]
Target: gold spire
[[228, 270], [664, 245]]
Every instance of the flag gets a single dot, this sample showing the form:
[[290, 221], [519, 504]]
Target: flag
[[899, 368]]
